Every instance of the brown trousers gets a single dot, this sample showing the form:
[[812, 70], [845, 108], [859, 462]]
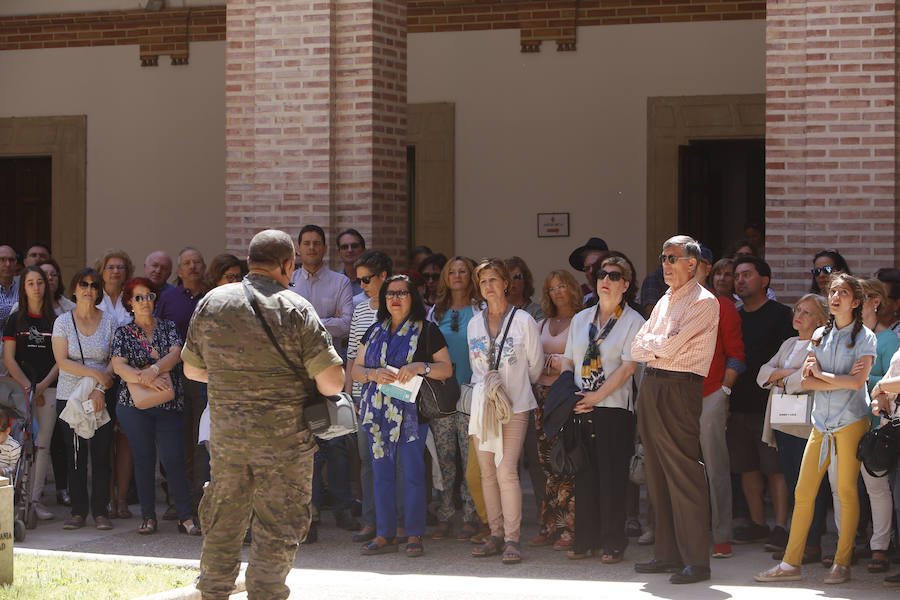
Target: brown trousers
[[669, 424]]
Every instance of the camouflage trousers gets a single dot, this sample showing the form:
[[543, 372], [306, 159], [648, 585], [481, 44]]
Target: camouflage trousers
[[451, 438], [275, 485]]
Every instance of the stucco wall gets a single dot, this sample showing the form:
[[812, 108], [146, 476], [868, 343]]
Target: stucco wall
[[566, 131], [155, 140]]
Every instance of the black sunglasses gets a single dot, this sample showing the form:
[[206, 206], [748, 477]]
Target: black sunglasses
[[367, 279], [92, 284], [613, 275], [671, 258], [354, 246], [454, 320], [826, 269]]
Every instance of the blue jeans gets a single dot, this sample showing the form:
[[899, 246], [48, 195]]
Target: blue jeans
[[412, 455], [364, 446], [146, 430], [790, 450], [337, 454]]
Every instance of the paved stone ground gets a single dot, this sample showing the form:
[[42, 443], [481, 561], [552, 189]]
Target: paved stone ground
[[333, 568]]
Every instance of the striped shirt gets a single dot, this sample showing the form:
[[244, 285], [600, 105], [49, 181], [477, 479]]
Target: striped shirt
[[9, 453], [680, 334], [363, 317]]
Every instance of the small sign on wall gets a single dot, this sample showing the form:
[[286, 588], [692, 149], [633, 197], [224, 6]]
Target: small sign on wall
[[553, 224]]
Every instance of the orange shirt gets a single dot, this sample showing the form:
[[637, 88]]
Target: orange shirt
[[680, 334]]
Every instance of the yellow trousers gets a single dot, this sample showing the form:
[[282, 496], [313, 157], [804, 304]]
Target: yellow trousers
[[473, 479], [846, 443]]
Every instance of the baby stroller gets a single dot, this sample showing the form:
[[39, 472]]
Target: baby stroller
[[20, 407]]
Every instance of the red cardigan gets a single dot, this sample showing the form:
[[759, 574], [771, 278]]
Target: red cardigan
[[729, 345]]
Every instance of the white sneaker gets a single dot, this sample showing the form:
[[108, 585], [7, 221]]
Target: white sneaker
[[647, 538], [42, 513]]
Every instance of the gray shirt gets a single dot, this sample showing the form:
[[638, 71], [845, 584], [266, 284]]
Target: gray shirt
[[95, 348], [332, 297]]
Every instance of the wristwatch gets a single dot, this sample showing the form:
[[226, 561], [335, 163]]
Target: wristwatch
[[727, 390], [427, 369]]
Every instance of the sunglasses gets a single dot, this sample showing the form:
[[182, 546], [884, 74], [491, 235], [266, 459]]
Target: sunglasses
[[93, 284], [613, 275], [367, 279], [149, 297], [351, 246], [431, 276], [671, 258], [230, 278], [518, 277], [454, 320], [829, 269], [401, 294]]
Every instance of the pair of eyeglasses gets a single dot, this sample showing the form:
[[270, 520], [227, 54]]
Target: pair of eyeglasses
[[613, 275], [559, 288], [518, 277], [148, 297], [671, 258], [367, 279], [351, 246], [92, 284], [454, 320], [114, 267], [232, 277], [431, 276], [826, 269], [401, 294]]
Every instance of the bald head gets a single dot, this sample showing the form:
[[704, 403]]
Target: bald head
[[270, 248], [158, 267]]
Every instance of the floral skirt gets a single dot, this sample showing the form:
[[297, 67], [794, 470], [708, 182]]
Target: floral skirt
[[558, 509]]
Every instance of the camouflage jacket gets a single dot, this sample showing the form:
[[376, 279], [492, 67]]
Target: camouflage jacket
[[253, 393]]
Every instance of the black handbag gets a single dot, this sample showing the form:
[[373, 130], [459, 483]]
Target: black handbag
[[436, 398], [879, 449], [568, 455]]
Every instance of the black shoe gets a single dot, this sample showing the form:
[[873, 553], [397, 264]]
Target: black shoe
[[892, 580], [345, 520], [777, 541], [658, 566], [751, 534], [691, 574], [312, 536]]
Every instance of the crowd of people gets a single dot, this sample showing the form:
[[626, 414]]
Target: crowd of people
[[574, 383]]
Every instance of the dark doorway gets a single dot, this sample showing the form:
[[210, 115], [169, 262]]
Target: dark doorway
[[721, 187], [25, 201]]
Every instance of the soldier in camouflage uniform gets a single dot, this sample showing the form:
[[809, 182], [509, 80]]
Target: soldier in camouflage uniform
[[260, 448]]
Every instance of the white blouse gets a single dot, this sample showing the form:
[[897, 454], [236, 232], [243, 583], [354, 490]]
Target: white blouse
[[614, 350]]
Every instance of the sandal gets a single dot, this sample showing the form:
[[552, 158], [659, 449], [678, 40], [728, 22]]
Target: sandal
[[415, 549], [512, 554], [191, 529], [611, 557], [540, 540], [76, 522], [576, 555], [373, 547], [489, 548], [147, 527], [103, 523], [442, 531], [123, 512], [467, 531], [879, 562]]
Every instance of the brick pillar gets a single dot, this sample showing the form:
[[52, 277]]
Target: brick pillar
[[315, 110], [831, 136]]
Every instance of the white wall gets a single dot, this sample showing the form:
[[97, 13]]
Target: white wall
[[155, 140], [566, 131]]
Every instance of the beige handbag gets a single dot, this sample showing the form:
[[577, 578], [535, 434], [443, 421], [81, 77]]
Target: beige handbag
[[145, 396]]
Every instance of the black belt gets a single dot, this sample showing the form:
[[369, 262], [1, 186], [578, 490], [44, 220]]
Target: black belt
[[663, 373]]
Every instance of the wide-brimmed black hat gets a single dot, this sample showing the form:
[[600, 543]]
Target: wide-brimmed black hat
[[576, 259]]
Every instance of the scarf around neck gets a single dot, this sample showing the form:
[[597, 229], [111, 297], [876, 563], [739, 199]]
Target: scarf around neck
[[592, 375]]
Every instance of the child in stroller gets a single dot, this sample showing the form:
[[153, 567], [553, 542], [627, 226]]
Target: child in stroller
[[17, 451]]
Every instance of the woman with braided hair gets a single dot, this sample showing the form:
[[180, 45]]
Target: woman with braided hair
[[839, 418]]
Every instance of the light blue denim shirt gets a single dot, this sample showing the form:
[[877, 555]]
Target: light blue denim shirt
[[835, 409]]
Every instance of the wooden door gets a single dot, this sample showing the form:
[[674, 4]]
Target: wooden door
[[25, 201]]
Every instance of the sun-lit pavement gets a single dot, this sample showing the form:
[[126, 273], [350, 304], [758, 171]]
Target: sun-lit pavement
[[333, 568]]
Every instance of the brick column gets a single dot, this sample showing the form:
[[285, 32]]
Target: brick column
[[831, 137], [315, 109]]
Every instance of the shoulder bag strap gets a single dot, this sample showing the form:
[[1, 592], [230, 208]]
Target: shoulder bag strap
[[254, 305], [503, 340], [77, 337]]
